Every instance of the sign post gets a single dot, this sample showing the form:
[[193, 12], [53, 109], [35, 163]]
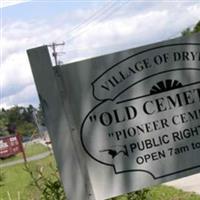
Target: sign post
[[11, 145], [69, 157], [19, 138], [126, 120]]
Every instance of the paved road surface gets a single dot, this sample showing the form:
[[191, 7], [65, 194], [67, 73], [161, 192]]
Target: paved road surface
[[37, 157], [189, 184]]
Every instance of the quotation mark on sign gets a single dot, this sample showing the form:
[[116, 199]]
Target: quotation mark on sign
[[93, 118]]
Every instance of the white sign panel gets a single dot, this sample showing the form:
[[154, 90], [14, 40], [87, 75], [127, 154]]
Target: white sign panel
[[135, 114], [154, 124]]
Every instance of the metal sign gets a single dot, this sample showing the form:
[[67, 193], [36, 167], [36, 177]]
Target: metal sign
[[133, 116], [9, 146], [157, 122]]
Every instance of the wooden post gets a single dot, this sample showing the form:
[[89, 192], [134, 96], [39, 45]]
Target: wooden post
[[19, 139]]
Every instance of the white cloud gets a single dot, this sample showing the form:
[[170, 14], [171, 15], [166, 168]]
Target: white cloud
[[24, 97], [6, 3], [194, 11], [161, 23], [15, 74], [101, 36]]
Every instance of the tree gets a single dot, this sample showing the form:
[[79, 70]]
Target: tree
[[40, 115], [189, 31], [27, 114], [3, 122], [197, 28], [18, 119]]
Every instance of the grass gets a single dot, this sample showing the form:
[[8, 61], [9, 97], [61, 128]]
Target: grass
[[163, 192], [30, 150], [17, 183]]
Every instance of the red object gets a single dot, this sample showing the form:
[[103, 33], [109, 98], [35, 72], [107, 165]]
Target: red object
[[11, 145]]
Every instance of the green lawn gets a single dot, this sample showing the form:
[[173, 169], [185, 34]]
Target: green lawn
[[30, 150], [17, 183], [163, 192]]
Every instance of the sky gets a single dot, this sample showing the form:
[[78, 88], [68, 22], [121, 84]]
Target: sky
[[88, 28]]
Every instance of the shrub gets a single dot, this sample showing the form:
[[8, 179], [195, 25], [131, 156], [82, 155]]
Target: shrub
[[50, 187]]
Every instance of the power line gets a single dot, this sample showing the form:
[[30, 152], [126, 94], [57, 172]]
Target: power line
[[99, 15], [97, 18], [108, 9], [102, 17], [92, 17], [120, 44]]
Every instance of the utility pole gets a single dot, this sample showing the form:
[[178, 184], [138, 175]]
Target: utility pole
[[55, 54]]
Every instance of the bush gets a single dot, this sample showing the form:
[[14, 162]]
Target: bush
[[139, 195], [50, 187]]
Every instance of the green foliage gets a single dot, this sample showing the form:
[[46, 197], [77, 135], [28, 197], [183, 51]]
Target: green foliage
[[163, 192], [53, 190], [139, 195], [49, 186], [189, 31], [3, 122], [159, 192], [26, 128], [19, 117], [2, 177], [197, 28], [143, 194], [19, 181]]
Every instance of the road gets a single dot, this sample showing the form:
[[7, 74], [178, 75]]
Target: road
[[36, 157]]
